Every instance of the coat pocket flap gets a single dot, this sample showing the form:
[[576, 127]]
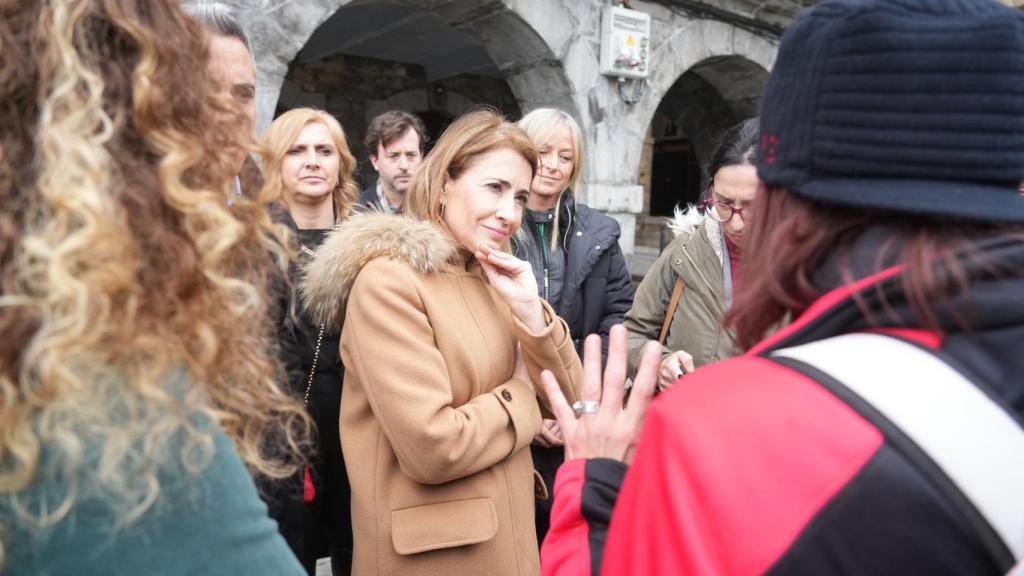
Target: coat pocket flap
[[443, 525]]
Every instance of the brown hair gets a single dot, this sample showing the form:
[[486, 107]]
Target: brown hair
[[131, 295], [386, 127], [471, 135], [284, 131], [791, 238]]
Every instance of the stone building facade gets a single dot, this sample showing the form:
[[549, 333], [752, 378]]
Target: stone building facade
[[708, 59]]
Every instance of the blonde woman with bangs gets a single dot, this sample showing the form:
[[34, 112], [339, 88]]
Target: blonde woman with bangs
[[309, 170], [575, 255], [444, 339], [136, 380]]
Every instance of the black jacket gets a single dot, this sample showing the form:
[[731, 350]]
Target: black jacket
[[597, 290], [368, 197], [323, 527]]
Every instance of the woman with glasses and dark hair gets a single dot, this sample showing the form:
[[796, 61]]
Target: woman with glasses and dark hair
[[694, 279]]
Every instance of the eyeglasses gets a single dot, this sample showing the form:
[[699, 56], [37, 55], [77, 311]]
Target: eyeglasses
[[723, 212]]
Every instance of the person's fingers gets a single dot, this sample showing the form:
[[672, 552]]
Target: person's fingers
[[685, 361], [668, 371], [501, 260], [540, 440], [549, 438], [615, 369], [591, 388], [556, 429], [643, 384], [489, 270], [559, 407], [666, 380]]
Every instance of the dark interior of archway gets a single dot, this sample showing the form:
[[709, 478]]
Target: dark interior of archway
[[675, 170], [686, 127], [703, 103], [378, 55], [436, 122]]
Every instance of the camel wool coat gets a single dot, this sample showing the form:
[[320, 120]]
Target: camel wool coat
[[434, 428]]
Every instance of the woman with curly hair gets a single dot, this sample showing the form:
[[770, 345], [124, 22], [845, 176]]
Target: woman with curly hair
[[135, 366], [309, 171]]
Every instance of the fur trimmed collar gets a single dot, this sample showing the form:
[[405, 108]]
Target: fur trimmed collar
[[688, 221], [329, 275]]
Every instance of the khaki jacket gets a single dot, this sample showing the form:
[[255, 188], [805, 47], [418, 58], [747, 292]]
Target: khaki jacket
[[696, 255], [434, 428]]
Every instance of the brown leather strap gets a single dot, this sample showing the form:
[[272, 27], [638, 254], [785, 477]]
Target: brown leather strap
[[677, 291]]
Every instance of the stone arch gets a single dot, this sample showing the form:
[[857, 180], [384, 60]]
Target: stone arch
[[416, 100], [709, 98], [699, 58], [717, 53], [532, 71], [678, 45]]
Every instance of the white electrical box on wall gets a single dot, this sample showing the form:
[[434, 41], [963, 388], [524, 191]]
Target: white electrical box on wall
[[625, 42]]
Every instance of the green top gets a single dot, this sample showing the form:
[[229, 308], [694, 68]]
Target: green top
[[211, 523]]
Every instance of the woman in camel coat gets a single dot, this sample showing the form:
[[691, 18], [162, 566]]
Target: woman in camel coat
[[443, 340]]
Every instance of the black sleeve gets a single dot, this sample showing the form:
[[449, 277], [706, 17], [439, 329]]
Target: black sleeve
[[603, 479], [620, 295]]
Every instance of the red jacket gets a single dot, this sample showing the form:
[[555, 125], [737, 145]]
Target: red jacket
[[762, 465]]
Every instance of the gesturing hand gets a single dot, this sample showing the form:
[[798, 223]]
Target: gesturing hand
[[513, 279], [611, 432]]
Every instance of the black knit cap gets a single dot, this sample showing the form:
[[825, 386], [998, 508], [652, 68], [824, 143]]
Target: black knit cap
[[909, 105]]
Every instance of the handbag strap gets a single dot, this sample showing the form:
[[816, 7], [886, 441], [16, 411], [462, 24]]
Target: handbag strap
[[312, 368], [677, 291]]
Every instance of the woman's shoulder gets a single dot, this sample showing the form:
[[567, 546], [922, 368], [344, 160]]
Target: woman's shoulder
[[693, 232], [595, 220], [203, 511], [373, 244], [386, 270]]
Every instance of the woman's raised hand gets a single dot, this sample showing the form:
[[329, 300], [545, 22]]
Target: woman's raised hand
[[513, 279], [613, 430]]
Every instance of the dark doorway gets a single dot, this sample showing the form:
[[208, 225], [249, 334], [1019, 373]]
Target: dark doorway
[[436, 122], [675, 176]]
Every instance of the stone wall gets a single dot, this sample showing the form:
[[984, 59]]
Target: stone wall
[[355, 89], [548, 52]]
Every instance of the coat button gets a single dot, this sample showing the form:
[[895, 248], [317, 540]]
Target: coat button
[[579, 233], [506, 395]]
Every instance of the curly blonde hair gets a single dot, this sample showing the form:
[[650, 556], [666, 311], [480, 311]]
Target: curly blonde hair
[[284, 131], [123, 271]]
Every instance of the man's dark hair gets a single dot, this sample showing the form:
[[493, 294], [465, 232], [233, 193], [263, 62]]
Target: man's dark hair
[[386, 127], [218, 17]]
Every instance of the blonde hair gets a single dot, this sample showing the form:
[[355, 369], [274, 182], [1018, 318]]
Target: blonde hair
[[469, 136], [284, 131], [132, 298], [544, 126]]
